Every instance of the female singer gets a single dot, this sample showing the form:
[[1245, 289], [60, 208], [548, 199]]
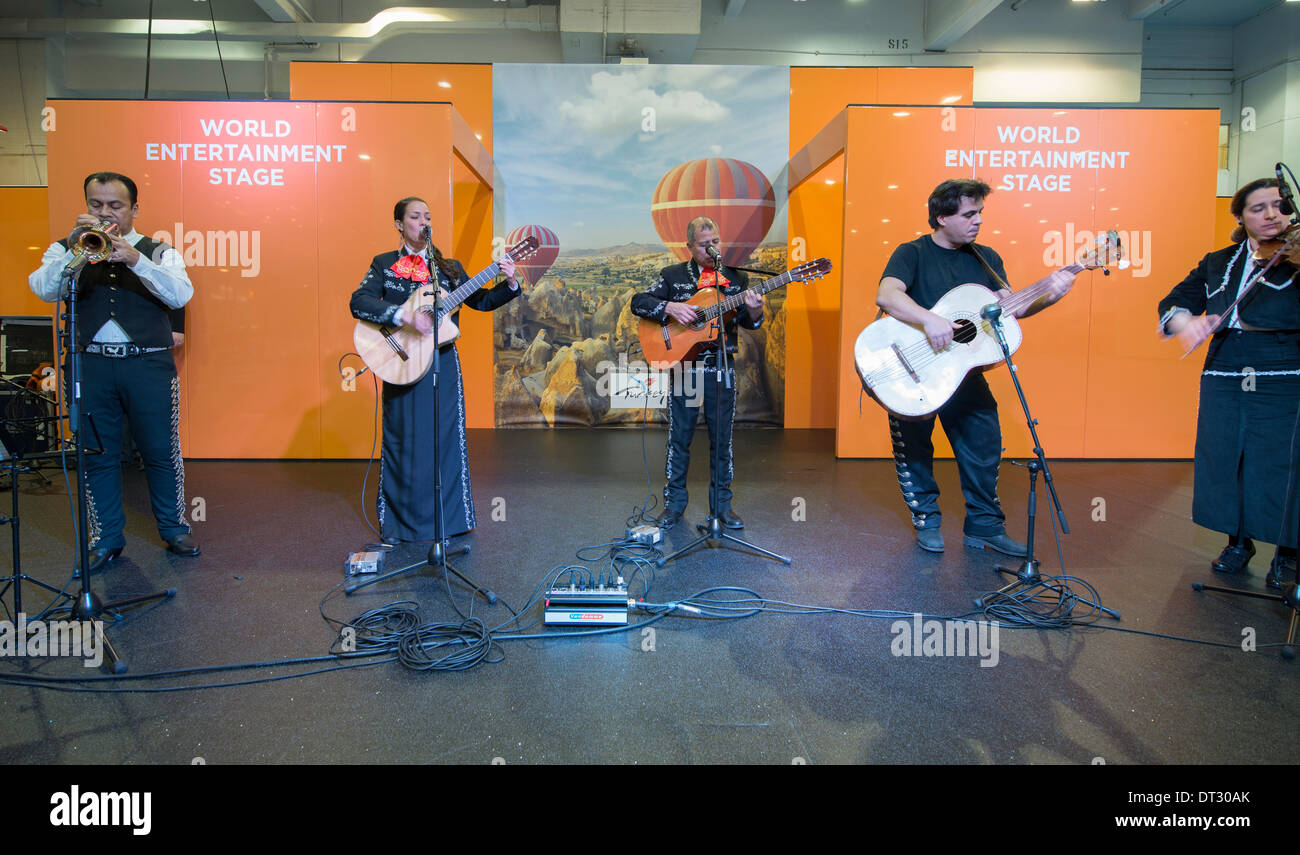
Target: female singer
[[1247, 444], [407, 510]]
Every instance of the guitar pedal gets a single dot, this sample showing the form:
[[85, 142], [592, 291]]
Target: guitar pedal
[[645, 534]]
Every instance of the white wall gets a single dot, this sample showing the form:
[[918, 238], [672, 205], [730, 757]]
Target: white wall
[[1266, 60], [22, 96]]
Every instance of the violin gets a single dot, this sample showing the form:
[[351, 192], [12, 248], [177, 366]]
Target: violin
[[1287, 244], [1285, 249]]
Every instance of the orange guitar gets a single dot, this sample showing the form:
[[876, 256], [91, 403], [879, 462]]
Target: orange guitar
[[665, 345]]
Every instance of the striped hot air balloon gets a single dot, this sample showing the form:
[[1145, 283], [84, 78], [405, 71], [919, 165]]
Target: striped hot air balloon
[[734, 194], [534, 267]]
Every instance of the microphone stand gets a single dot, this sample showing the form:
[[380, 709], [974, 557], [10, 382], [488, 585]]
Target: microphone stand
[[712, 529], [19, 460], [15, 464], [1027, 577], [439, 553], [88, 606], [45, 430]]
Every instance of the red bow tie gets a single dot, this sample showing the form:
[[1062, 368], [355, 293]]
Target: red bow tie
[[411, 267], [712, 279]]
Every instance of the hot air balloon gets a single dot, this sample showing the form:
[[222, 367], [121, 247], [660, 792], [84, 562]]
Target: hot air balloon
[[734, 194], [535, 266]]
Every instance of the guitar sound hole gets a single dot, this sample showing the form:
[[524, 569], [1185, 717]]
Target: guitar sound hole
[[965, 332]]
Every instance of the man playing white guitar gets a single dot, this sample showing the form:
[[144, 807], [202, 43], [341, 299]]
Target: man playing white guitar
[[917, 276]]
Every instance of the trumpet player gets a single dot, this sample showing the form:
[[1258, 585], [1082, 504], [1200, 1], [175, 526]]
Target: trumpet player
[[125, 294]]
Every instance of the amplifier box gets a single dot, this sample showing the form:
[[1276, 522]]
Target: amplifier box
[[573, 605]]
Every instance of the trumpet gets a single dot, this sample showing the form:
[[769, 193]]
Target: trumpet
[[91, 244]]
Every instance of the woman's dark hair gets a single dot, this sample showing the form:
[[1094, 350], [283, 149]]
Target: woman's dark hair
[[945, 200], [399, 212], [1238, 206]]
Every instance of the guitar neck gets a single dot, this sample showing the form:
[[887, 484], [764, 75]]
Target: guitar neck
[[453, 300], [733, 302], [1026, 297]]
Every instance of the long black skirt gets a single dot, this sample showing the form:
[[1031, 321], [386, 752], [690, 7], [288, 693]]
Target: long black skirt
[[407, 507], [1247, 440]]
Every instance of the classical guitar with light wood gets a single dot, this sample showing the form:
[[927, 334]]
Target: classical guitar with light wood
[[907, 376], [665, 345], [401, 355]]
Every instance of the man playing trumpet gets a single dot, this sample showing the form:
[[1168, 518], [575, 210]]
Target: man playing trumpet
[[124, 300]]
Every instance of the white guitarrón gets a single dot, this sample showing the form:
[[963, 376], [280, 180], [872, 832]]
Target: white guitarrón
[[908, 377]]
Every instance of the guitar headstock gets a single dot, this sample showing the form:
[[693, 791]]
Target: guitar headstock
[[523, 249], [814, 269], [1108, 252]]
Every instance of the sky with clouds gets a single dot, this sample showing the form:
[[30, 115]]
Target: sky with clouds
[[572, 153]]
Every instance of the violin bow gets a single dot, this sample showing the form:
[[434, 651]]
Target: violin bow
[[1245, 291]]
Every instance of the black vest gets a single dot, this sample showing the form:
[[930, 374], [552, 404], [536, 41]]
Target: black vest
[[111, 291]]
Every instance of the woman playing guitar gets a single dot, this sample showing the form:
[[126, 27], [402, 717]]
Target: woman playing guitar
[[406, 500]]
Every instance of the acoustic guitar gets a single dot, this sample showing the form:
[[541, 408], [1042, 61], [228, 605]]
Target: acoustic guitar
[[665, 345], [401, 355], [908, 377]]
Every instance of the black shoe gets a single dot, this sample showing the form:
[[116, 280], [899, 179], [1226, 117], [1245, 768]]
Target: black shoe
[[1281, 572], [731, 519], [668, 519], [182, 544], [929, 539], [1233, 559], [101, 555], [998, 543]]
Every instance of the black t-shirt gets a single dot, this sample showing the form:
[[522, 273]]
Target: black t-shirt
[[929, 271]]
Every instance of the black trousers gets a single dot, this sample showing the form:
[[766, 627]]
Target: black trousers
[[1248, 437], [970, 420], [407, 501], [697, 389], [143, 389]]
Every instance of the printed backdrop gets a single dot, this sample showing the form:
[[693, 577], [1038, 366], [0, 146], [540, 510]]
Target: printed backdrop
[[606, 166]]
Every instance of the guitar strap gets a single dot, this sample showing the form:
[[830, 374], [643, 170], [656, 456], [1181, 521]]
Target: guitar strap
[[996, 278]]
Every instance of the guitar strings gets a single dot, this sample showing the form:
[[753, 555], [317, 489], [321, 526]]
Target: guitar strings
[[918, 355], [798, 274], [921, 354]]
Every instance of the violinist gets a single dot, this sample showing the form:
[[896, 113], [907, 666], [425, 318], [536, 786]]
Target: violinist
[[1247, 445]]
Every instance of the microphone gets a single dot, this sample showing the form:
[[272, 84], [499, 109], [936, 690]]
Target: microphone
[[713, 253], [426, 234], [993, 314], [1284, 190]]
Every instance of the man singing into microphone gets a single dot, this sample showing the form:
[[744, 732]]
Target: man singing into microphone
[[666, 299], [917, 276]]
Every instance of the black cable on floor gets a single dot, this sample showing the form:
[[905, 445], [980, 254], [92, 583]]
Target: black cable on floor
[[374, 441]]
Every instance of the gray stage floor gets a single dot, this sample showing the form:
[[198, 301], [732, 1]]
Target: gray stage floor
[[773, 688]]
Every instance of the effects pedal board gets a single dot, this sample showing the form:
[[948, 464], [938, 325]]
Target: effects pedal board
[[573, 605], [359, 563], [647, 534]]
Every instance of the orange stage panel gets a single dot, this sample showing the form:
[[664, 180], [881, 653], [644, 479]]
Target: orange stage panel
[[1100, 381]]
